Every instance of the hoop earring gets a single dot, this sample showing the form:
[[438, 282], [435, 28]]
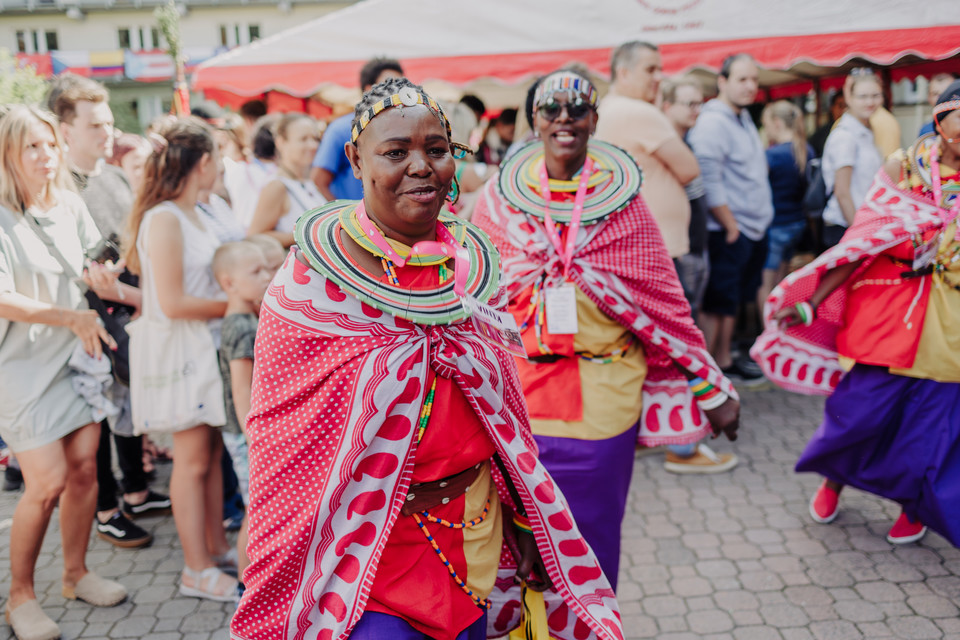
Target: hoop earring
[[453, 196]]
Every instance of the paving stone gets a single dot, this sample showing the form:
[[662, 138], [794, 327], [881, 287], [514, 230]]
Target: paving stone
[[913, 628], [875, 630], [133, 627], [709, 621], [736, 600], [858, 611], [757, 633], [932, 606], [834, 630], [659, 606], [808, 596], [784, 615], [880, 592]]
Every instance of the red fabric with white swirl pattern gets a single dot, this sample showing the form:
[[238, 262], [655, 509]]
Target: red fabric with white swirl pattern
[[804, 359], [623, 266], [338, 387]]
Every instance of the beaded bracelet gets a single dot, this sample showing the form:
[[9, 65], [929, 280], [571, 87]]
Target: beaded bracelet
[[522, 523], [806, 311], [714, 401]]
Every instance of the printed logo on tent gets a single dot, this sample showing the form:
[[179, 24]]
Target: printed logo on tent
[[669, 7]]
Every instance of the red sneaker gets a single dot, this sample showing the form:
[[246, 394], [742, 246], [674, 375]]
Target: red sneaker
[[904, 531], [824, 506]]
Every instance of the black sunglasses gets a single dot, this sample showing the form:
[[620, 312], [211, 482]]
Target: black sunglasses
[[552, 109]]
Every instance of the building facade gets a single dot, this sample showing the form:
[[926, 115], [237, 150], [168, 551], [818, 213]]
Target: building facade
[[119, 42]]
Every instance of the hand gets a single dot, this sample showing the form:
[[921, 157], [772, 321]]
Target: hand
[[788, 317], [88, 327], [530, 560], [103, 278], [733, 234], [725, 419]]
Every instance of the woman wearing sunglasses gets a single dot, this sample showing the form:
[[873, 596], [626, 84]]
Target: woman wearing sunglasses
[[613, 354]]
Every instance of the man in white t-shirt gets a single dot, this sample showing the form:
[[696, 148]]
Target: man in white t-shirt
[[630, 119]]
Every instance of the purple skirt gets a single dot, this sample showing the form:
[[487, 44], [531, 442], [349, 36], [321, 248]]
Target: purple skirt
[[594, 476], [374, 625], [895, 437]]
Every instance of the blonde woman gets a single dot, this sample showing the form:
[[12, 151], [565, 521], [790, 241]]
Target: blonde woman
[[44, 324], [787, 158], [285, 198]]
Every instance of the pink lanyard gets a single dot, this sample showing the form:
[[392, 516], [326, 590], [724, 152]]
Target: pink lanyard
[[565, 253], [447, 245], [938, 188]]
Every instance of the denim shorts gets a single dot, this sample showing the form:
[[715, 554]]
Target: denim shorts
[[782, 243]]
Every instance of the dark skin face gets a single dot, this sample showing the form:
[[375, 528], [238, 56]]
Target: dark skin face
[[403, 159], [564, 139]]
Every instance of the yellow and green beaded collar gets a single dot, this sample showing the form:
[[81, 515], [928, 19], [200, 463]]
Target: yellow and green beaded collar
[[615, 182], [351, 225]]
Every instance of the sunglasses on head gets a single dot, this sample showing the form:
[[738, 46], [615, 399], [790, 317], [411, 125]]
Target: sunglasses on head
[[576, 109]]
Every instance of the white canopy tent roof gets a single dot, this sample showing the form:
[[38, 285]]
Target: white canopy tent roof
[[507, 41]]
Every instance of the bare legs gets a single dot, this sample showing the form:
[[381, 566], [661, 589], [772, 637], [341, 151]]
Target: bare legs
[[64, 471], [196, 491], [718, 333]]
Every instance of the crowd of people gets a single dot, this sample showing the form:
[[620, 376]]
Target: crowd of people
[[435, 351]]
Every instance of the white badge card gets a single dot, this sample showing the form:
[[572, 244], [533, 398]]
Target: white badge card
[[497, 327], [561, 307]]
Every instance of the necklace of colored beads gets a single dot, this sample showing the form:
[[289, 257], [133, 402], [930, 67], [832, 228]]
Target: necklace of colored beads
[[483, 603], [426, 411], [390, 270], [614, 356]]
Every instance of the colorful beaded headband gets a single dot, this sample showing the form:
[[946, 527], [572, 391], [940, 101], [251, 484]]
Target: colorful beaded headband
[[406, 97], [951, 105], [565, 81]]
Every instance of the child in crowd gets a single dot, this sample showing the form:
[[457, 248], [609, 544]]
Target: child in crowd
[[242, 271], [272, 249]]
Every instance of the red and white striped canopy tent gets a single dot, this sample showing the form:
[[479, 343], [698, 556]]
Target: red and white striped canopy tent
[[465, 41]]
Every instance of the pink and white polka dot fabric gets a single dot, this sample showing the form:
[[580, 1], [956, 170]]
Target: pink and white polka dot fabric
[[622, 265], [338, 387]]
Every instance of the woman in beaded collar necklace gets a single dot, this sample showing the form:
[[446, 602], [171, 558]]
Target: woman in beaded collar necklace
[[614, 356]]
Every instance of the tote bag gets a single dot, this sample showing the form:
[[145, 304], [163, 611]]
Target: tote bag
[[174, 376]]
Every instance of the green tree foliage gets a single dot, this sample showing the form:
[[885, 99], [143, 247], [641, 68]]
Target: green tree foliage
[[19, 85]]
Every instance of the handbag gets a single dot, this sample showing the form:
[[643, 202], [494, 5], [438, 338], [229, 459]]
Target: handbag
[[119, 357], [175, 379]]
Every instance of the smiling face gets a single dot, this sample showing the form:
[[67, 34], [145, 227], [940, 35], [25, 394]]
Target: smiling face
[[564, 138], [39, 158], [403, 158]]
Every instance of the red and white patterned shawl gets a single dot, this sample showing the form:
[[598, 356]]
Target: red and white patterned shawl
[[804, 359], [338, 387], [624, 268]]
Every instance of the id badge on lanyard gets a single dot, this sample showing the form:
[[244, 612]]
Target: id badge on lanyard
[[499, 328], [560, 302]]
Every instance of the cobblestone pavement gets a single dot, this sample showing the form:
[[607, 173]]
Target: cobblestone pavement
[[727, 557]]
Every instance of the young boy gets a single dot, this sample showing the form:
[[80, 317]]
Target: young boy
[[273, 251], [242, 271]]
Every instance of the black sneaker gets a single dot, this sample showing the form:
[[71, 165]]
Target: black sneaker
[[121, 532], [156, 504], [748, 376], [12, 479]]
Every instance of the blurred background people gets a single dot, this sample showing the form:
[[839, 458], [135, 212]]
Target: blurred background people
[[331, 171], [787, 158], [850, 156], [291, 192], [730, 153], [45, 325]]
